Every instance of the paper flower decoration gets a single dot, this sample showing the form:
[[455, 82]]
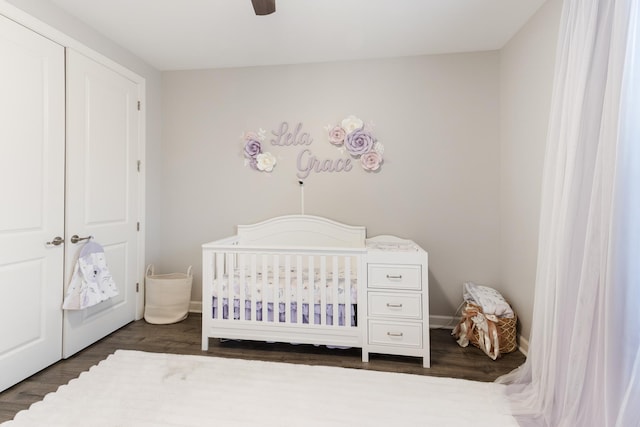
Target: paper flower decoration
[[254, 157], [351, 135], [265, 162]]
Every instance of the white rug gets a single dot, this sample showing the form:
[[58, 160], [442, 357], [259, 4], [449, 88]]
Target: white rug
[[132, 388]]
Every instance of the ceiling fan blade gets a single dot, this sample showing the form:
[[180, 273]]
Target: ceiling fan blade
[[264, 7]]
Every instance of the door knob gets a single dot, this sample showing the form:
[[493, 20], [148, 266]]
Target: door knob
[[75, 238], [56, 241]]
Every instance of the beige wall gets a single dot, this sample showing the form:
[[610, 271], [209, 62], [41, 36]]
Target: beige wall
[[526, 79], [436, 115]]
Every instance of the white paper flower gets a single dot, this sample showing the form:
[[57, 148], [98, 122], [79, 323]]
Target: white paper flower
[[378, 148], [351, 123], [265, 162]]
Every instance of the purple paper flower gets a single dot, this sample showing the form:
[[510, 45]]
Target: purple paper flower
[[252, 162], [359, 142], [336, 135], [252, 148], [371, 161]]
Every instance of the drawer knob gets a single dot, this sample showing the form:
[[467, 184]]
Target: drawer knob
[[394, 334], [394, 305], [394, 277]]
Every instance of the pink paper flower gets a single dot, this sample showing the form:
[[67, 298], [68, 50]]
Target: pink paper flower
[[371, 161], [251, 136], [336, 135]]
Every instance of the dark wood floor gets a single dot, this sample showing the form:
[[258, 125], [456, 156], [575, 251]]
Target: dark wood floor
[[447, 358]]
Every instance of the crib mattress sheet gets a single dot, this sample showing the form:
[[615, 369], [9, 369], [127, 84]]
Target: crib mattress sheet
[[263, 287], [282, 314]]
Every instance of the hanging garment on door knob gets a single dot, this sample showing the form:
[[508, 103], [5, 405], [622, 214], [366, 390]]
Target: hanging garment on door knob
[[91, 282]]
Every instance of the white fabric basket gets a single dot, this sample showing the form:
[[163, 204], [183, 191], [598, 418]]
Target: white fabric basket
[[167, 296]]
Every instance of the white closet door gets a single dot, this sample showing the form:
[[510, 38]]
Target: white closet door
[[102, 190], [32, 201]]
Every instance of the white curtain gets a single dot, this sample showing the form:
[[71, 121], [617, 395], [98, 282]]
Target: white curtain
[[583, 367]]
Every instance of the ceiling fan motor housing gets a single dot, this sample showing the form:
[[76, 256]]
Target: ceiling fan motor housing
[[264, 7]]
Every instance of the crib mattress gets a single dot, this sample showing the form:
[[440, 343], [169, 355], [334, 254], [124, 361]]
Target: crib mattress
[[284, 315]]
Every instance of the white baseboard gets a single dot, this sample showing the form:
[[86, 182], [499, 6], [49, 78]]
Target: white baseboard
[[195, 307], [435, 322], [443, 322], [523, 345]]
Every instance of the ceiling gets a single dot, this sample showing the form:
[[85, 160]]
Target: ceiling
[[194, 34]]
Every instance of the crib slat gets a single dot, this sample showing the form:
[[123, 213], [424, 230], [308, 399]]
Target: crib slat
[[264, 290], [334, 287], [231, 273], [287, 289], [347, 291], [218, 282], [323, 290], [275, 288], [253, 287], [311, 286], [299, 288], [242, 280], [360, 272]]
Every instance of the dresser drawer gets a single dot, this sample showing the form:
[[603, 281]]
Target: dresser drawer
[[395, 334], [406, 306], [388, 276]]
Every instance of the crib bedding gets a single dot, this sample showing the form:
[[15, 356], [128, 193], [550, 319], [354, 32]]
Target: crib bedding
[[284, 315], [272, 285], [265, 286]]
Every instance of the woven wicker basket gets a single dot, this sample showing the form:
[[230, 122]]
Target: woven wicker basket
[[506, 328], [167, 296]]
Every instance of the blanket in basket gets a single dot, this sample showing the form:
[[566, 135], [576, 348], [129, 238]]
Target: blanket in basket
[[488, 321]]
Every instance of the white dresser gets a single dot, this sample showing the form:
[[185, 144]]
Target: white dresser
[[397, 310]]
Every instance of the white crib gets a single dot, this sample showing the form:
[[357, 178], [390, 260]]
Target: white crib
[[294, 278]]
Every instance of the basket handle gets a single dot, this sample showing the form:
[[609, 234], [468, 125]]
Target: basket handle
[[149, 269], [189, 272]]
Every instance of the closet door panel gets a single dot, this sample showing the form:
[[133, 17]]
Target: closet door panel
[[102, 190], [32, 206]]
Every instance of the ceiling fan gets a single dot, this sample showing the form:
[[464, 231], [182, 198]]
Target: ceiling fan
[[264, 7]]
